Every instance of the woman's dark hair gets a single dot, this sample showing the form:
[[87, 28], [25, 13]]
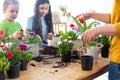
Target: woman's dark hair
[[37, 27]]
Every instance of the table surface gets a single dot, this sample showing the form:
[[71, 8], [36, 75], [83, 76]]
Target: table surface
[[72, 71]]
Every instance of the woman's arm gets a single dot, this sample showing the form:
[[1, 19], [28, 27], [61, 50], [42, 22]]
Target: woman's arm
[[104, 17]]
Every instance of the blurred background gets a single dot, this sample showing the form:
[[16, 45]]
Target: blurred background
[[73, 7]]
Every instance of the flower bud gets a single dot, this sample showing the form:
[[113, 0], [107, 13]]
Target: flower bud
[[80, 19]]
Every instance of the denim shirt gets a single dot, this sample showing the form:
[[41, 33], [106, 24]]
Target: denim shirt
[[44, 30]]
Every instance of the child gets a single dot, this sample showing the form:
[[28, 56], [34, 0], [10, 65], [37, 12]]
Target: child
[[41, 22], [11, 28]]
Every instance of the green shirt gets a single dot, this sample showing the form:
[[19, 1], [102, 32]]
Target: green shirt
[[9, 27]]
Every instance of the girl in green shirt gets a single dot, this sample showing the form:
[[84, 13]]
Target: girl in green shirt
[[11, 28]]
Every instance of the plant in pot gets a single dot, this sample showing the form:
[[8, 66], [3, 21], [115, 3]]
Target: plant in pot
[[104, 39], [5, 55], [75, 38], [62, 8], [81, 26], [4, 65], [14, 71], [33, 40], [26, 56], [65, 46], [93, 49]]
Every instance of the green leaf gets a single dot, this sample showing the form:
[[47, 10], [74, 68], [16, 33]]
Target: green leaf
[[1, 65], [91, 24], [7, 66], [85, 26], [78, 24]]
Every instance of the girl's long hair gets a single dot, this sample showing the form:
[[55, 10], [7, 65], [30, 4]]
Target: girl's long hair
[[37, 27]]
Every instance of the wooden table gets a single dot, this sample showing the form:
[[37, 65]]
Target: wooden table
[[72, 72]]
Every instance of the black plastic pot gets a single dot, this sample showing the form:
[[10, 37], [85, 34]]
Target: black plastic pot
[[2, 75], [23, 65], [66, 57], [105, 51], [14, 71], [87, 62]]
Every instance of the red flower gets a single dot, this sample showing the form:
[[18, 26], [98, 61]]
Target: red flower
[[2, 46], [2, 34], [9, 55], [72, 26], [6, 48], [23, 47], [81, 20]]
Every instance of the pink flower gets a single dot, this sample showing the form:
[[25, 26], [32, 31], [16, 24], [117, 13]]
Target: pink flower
[[77, 29], [2, 34], [23, 47], [31, 33], [72, 26]]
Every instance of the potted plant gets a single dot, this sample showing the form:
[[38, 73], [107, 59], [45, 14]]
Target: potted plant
[[26, 56], [65, 46], [32, 41], [75, 38], [104, 39], [4, 66], [14, 71], [63, 9], [4, 56], [91, 49]]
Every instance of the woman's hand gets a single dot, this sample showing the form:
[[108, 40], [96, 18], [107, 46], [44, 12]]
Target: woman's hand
[[86, 15], [89, 35], [49, 36]]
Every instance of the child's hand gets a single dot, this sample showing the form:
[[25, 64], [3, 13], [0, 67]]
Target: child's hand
[[23, 39], [17, 34]]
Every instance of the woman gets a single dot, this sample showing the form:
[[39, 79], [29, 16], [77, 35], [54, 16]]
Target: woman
[[41, 22]]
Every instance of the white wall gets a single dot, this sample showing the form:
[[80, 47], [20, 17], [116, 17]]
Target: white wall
[[73, 6]]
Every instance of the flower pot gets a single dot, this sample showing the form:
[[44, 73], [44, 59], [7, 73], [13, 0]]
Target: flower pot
[[86, 62], [14, 71], [2, 75], [66, 57], [105, 51], [23, 65], [34, 48], [93, 51], [76, 44]]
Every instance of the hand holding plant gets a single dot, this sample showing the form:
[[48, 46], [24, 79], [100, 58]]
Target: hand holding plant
[[81, 24]]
